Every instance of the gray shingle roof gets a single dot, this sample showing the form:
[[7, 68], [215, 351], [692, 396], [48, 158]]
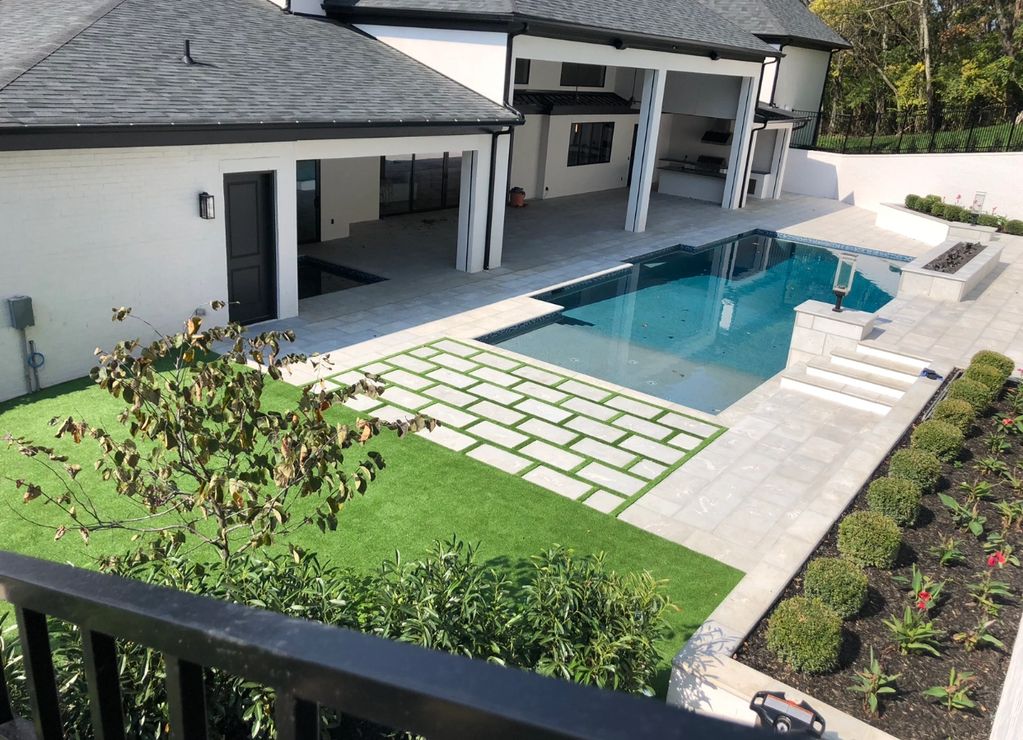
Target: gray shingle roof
[[256, 65], [684, 22], [778, 18]]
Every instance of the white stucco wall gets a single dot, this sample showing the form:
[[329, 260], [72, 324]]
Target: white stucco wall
[[560, 179], [701, 94], [349, 193], [527, 162], [545, 75], [763, 154], [474, 58], [801, 74], [867, 180]]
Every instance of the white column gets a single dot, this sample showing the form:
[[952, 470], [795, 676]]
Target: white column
[[737, 160], [287, 240], [472, 210], [784, 141], [502, 162], [646, 149]]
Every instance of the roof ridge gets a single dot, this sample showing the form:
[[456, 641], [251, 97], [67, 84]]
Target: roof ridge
[[62, 41]]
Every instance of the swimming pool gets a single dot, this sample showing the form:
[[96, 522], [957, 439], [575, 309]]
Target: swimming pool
[[698, 326]]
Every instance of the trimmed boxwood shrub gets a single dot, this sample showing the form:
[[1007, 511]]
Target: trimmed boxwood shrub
[[956, 412], [928, 202], [806, 634], [939, 437], [895, 497], [997, 360], [938, 209], [912, 202], [989, 219], [957, 213], [976, 394], [988, 375], [1013, 226], [869, 538], [919, 466], [839, 583]]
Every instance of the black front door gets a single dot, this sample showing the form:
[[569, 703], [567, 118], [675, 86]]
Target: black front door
[[251, 246]]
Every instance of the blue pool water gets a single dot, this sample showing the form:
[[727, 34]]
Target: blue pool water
[[701, 328]]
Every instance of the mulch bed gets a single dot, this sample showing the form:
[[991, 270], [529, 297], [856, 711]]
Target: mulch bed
[[908, 714], [953, 259]]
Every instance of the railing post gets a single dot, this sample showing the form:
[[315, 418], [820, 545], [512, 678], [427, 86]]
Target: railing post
[[42, 683], [294, 718], [902, 131], [1012, 130], [186, 699], [848, 126], [973, 122], [100, 657]]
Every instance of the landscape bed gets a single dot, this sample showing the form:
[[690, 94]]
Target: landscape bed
[[908, 713], [956, 257]]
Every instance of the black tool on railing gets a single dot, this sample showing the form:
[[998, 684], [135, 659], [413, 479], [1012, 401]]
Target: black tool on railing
[[783, 715]]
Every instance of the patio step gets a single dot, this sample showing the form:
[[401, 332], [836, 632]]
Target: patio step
[[874, 351], [893, 370], [862, 376], [799, 379]]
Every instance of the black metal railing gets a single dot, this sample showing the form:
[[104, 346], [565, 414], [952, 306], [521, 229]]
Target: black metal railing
[[309, 665], [912, 131]]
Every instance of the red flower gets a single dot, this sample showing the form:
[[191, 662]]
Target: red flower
[[996, 558], [1008, 422], [922, 600], [921, 605]]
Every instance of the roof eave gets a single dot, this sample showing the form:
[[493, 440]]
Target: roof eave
[[806, 43]]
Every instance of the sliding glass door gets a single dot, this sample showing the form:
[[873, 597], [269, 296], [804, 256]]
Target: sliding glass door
[[414, 183], [308, 200]]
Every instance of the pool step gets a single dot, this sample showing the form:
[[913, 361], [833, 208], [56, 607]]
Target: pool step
[[860, 376], [798, 378]]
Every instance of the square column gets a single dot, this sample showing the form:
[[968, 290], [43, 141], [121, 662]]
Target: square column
[[739, 160], [472, 211], [502, 162], [646, 149]]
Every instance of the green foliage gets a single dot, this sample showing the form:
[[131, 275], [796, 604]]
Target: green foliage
[[991, 465], [977, 491], [912, 202], [938, 437], [956, 693], [560, 615], [966, 518], [197, 451], [923, 591], [956, 412], [990, 376], [948, 552], [989, 219], [1013, 226], [838, 583], [939, 209], [988, 593], [873, 683], [806, 634], [976, 394], [895, 497], [997, 360], [919, 466], [978, 636], [914, 633], [869, 538]]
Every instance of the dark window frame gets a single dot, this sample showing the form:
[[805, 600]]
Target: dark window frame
[[316, 204], [572, 73], [522, 71], [445, 176], [590, 142]]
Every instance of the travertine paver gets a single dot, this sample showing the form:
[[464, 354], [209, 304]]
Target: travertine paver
[[362, 403], [687, 424], [604, 501], [504, 410]]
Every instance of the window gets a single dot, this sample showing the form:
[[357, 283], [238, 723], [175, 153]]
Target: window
[[590, 143], [419, 182], [582, 75], [521, 71]]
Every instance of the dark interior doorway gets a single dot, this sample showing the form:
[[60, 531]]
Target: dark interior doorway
[[307, 200], [251, 246]]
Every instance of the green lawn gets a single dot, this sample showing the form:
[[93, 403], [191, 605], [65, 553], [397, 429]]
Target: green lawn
[[425, 493]]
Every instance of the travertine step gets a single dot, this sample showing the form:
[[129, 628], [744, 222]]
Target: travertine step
[[904, 359], [799, 379], [877, 365], [857, 377]]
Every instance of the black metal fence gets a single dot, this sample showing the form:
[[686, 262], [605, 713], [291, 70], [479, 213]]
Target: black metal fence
[[309, 665], [913, 131]]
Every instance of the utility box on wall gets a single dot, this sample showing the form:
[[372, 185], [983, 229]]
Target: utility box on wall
[[20, 307]]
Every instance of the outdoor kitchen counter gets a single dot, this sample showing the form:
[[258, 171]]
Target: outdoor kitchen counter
[[688, 182]]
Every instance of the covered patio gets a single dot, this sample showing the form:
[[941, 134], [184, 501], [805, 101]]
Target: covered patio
[[547, 243]]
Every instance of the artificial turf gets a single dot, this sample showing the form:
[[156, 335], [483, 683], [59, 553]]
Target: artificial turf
[[425, 493]]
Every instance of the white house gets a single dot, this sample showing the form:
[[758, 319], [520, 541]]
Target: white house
[[160, 154]]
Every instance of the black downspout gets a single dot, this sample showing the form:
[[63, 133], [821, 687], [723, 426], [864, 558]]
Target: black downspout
[[777, 72], [508, 71]]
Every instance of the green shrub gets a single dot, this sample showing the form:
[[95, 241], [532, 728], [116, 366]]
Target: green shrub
[[839, 583], [976, 394], [895, 497], [919, 466], [939, 437], [956, 412], [1013, 226], [912, 202], [997, 360], [869, 538], [806, 634], [989, 219], [988, 375], [938, 209], [957, 213], [928, 201]]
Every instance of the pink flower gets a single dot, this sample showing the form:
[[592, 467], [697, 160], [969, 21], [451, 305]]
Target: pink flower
[[996, 558], [1007, 422]]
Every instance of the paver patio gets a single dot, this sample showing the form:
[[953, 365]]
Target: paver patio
[[605, 448]]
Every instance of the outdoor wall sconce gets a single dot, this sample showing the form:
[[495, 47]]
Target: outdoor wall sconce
[[206, 209], [844, 274]]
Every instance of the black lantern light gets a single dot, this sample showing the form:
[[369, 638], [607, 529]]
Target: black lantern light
[[206, 209], [844, 274]]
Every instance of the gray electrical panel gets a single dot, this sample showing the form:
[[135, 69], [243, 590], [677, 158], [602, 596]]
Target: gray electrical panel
[[20, 307]]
